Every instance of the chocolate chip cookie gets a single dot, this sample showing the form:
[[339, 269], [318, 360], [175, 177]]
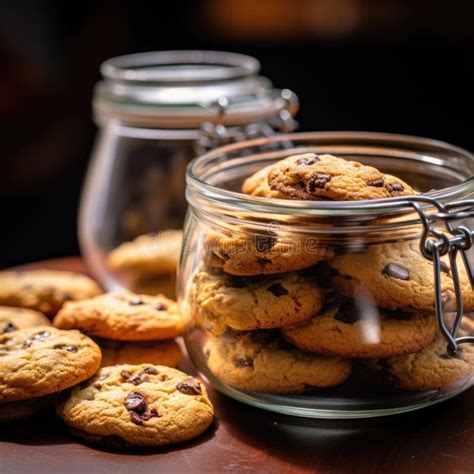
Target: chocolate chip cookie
[[430, 369], [260, 254], [395, 276], [167, 353], [148, 255], [257, 185], [138, 405], [43, 360], [12, 318], [348, 328], [261, 361], [123, 316], [221, 301], [310, 176], [44, 290]]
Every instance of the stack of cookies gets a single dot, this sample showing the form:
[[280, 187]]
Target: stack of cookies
[[129, 328], [286, 311], [137, 398]]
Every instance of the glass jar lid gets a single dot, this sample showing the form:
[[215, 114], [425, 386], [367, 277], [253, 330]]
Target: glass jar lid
[[183, 89]]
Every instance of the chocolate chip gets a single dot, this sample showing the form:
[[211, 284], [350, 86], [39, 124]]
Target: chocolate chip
[[242, 362], [149, 414], [160, 306], [189, 386], [347, 313], [125, 374], [139, 377], [136, 402], [40, 336], [163, 378], [277, 290], [135, 302], [376, 183], [394, 188], [308, 160], [319, 180], [444, 267], [150, 371], [9, 327], [396, 271], [67, 348], [264, 243]]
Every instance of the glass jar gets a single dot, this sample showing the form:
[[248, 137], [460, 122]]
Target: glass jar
[[154, 110], [330, 309]]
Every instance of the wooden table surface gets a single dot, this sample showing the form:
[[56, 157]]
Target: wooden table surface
[[439, 439]]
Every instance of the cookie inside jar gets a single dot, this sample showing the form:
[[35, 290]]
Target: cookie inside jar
[[304, 282]]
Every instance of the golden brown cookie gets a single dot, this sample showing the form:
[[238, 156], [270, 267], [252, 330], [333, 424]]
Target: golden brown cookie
[[259, 254], [167, 353], [123, 316], [395, 276], [221, 301], [138, 405], [348, 328], [257, 185], [44, 290], [43, 360], [261, 361], [311, 176], [148, 255], [12, 318], [430, 369]]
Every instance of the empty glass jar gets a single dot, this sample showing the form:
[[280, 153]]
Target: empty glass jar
[[325, 308], [154, 111]]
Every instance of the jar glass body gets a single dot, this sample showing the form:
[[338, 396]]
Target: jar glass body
[[135, 186], [321, 308]]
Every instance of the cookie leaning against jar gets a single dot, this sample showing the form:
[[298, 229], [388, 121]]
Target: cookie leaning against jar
[[262, 361], [350, 328], [396, 276], [138, 405], [312, 177], [221, 301], [39, 362], [123, 316], [44, 290]]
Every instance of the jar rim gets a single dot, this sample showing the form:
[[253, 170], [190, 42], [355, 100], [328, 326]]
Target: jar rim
[[197, 175], [157, 66]]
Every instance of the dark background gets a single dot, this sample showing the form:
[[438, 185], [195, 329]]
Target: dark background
[[381, 65]]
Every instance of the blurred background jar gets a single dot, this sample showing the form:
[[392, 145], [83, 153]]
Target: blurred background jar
[[155, 111]]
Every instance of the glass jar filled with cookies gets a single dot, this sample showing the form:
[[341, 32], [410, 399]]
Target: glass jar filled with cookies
[[329, 274], [154, 112]]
